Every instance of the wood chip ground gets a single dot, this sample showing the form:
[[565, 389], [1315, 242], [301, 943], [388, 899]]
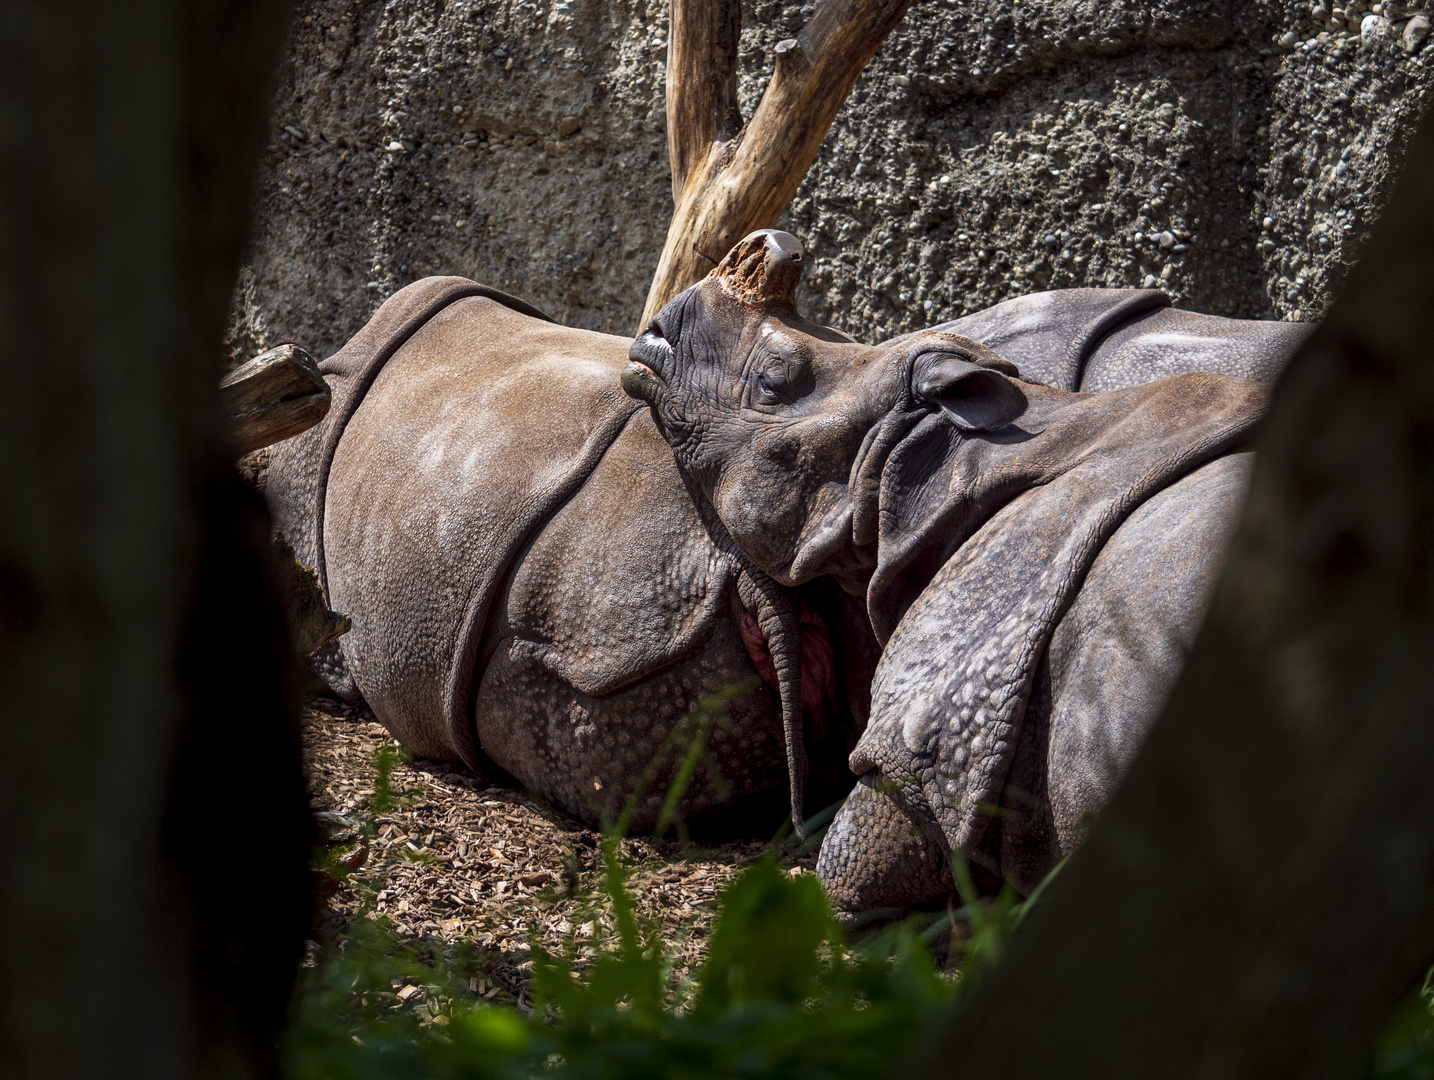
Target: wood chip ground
[[456, 859]]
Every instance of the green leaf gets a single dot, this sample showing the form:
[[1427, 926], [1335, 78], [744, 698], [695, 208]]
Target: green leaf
[[490, 1031], [765, 943]]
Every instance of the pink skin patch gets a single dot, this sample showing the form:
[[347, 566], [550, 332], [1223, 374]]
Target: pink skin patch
[[817, 657]]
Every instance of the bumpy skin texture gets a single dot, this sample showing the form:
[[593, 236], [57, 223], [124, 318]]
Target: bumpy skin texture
[[527, 577], [1106, 339], [1035, 564]]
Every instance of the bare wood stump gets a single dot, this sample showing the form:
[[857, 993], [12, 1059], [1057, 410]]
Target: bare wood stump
[[273, 397]]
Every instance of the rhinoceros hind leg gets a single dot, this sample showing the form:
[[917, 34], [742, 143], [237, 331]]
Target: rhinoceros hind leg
[[327, 662], [882, 851]]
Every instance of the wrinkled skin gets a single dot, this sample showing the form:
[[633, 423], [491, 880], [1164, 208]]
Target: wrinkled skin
[[529, 583], [1035, 561]]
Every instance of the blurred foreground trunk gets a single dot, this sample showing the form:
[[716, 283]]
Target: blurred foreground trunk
[[1260, 892], [152, 879]]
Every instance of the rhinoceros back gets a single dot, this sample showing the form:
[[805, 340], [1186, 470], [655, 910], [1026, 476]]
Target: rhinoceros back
[[1107, 339], [299, 469]]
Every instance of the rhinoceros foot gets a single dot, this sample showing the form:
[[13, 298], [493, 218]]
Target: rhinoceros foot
[[884, 850]]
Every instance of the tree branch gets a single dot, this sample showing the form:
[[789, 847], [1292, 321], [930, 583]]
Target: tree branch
[[701, 83], [745, 182]]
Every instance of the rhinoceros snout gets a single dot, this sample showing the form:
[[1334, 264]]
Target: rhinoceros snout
[[883, 850], [645, 371]]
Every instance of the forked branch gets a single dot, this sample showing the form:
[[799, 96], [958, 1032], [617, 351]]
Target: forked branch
[[729, 180]]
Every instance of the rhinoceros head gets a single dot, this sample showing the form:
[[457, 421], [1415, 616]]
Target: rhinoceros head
[[767, 412]]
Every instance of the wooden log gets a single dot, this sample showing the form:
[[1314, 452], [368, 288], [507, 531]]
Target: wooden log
[[728, 180], [273, 397], [702, 104]]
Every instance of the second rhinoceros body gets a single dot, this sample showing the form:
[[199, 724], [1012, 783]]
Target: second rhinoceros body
[[527, 577], [1036, 561]]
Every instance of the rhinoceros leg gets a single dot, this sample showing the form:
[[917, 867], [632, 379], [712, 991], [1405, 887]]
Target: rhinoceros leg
[[883, 849], [1025, 828], [1111, 663], [619, 618], [586, 753], [1117, 652]]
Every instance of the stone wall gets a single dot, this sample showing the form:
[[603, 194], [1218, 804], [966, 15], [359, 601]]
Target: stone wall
[[1235, 153]]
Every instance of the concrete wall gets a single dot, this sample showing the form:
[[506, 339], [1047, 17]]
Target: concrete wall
[[989, 150]]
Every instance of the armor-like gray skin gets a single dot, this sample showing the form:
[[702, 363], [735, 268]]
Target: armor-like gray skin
[[527, 577], [1035, 560]]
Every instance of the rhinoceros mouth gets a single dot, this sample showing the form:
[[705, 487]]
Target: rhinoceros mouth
[[641, 382], [641, 378]]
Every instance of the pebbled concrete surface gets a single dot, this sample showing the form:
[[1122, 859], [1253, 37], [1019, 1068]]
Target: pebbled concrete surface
[[989, 150]]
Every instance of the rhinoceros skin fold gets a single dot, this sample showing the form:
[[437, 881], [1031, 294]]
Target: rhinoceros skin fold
[[1034, 556], [529, 583]]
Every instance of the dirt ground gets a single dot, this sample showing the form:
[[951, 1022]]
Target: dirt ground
[[454, 859]]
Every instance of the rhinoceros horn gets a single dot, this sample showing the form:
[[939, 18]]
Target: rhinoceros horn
[[763, 270]]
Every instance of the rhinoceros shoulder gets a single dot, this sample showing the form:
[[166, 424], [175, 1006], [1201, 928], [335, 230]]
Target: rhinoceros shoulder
[[1050, 335], [1169, 341]]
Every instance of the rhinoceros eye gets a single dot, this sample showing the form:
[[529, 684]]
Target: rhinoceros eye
[[767, 389]]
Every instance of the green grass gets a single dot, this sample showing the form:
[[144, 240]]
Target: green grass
[[782, 992]]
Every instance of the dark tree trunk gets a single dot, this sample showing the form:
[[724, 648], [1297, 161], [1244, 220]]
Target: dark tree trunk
[[152, 880], [1261, 890]]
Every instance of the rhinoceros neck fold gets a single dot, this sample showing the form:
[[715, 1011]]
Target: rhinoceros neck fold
[[776, 616], [983, 546]]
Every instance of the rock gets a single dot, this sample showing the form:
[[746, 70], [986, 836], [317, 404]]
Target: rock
[[1288, 39], [1167, 239], [1150, 282], [568, 125], [1416, 32], [334, 828], [1372, 28]]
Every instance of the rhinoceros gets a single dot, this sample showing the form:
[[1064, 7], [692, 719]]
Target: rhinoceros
[[530, 584], [1034, 559]]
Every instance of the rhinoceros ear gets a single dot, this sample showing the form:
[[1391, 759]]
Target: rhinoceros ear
[[763, 269], [977, 398]]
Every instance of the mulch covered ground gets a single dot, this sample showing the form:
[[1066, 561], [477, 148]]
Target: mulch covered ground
[[456, 860]]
